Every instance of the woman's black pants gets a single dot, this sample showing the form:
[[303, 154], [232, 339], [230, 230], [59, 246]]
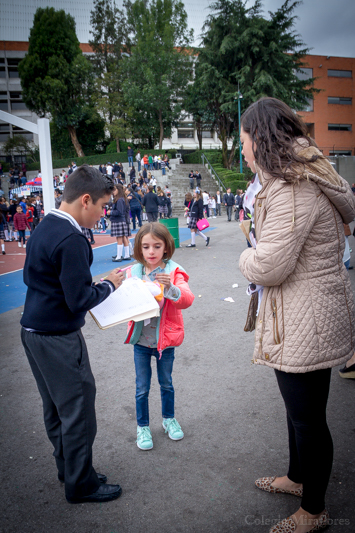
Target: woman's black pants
[[311, 446]]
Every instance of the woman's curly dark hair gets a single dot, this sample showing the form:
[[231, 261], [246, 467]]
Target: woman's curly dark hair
[[275, 129]]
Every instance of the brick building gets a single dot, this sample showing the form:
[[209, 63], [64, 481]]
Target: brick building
[[331, 115]]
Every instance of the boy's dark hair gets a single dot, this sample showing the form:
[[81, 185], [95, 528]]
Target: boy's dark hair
[[158, 231], [87, 180]]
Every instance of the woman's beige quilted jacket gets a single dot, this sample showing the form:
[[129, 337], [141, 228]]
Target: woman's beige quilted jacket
[[306, 318]]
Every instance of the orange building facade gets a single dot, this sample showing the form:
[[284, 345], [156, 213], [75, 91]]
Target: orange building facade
[[331, 115]]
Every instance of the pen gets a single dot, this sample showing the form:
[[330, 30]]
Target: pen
[[120, 270]]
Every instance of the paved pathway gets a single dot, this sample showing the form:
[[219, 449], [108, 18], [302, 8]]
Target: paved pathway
[[231, 411]]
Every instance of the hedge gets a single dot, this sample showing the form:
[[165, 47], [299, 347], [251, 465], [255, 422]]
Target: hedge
[[214, 157], [235, 184], [99, 159]]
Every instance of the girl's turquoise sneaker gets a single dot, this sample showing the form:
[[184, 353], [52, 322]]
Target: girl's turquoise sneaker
[[144, 438], [172, 427]]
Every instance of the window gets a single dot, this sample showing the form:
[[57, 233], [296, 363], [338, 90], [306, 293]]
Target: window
[[185, 134], [340, 73], [3, 101], [207, 134], [4, 132], [339, 127], [13, 72], [16, 102], [2, 72], [185, 125], [339, 100], [25, 134], [305, 74], [309, 105], [340, 152]]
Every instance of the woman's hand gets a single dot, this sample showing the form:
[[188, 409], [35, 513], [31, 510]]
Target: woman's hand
[[164, 279]]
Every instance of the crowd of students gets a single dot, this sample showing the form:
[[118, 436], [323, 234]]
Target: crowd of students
[[16, 216]]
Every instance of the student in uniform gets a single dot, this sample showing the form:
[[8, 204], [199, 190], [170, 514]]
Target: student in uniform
[[59, 293]]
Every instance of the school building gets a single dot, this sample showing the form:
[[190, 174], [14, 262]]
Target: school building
[[330, 116]]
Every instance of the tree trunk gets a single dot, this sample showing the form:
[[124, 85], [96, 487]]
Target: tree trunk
[[231, 156], [75, 141], [161, 134], [199, 133], [223, 138], [118, 144]]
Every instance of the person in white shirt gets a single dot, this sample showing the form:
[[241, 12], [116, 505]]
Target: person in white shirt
[[138, 159], [156, 162], [153, 183], [109, 169], [218, 203], [212, 206], [205, 197]]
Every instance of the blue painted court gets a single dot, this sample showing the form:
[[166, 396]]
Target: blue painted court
[[13, 289]]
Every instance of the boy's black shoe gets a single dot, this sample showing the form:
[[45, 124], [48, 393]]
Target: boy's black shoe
[[105, 493], [348, 373], [115, 260], [190, 245], [92, 242], [208, 241], [3, 252]]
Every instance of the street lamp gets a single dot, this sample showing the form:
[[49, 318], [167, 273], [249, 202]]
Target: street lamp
[[240, 96]]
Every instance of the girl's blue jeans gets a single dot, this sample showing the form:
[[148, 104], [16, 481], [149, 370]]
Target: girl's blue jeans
[[142, 361]]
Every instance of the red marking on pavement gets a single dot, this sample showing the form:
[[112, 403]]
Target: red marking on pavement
[[14, 259]]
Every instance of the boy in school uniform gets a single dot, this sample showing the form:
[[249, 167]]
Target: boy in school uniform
[[60, 292]]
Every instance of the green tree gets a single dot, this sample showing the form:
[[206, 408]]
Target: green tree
[[196, 104], [262, 56], [91, 136], [19, 145], [55, 76], [109, 42], [159, 67]]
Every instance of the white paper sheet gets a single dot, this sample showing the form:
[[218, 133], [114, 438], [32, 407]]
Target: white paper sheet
[[131, 301]]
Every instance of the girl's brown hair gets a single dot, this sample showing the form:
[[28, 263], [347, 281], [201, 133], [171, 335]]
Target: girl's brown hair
[[188, 197], [158, 231], [274, 129], [120, 192]]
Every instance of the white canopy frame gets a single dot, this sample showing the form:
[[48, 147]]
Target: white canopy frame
[[45, 152]]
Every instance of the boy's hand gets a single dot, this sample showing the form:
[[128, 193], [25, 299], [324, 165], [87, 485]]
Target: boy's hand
[[164, 279], [116, 276]]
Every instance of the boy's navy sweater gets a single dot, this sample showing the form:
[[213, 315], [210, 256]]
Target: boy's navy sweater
[[150, 201], [57, 274]]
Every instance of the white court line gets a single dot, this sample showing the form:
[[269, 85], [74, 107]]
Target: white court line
[[12, 271], [18, 270]]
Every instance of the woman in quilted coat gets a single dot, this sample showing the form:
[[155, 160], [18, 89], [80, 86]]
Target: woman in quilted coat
[[305, 322]]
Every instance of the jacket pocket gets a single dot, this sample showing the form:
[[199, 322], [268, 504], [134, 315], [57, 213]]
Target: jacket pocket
[[275, 321], [174, 333]]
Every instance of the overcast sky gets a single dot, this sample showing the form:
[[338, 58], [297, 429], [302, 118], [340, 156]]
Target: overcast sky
[[326, 26]]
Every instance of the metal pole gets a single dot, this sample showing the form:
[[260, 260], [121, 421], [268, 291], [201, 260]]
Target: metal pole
[[45, 153], [240, 144]]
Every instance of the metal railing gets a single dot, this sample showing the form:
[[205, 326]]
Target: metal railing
[[214, 174]]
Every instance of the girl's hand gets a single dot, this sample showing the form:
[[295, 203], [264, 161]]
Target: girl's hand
[[164, 279]]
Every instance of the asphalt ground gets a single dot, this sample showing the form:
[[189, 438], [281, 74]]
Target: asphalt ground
[[230, 410]]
